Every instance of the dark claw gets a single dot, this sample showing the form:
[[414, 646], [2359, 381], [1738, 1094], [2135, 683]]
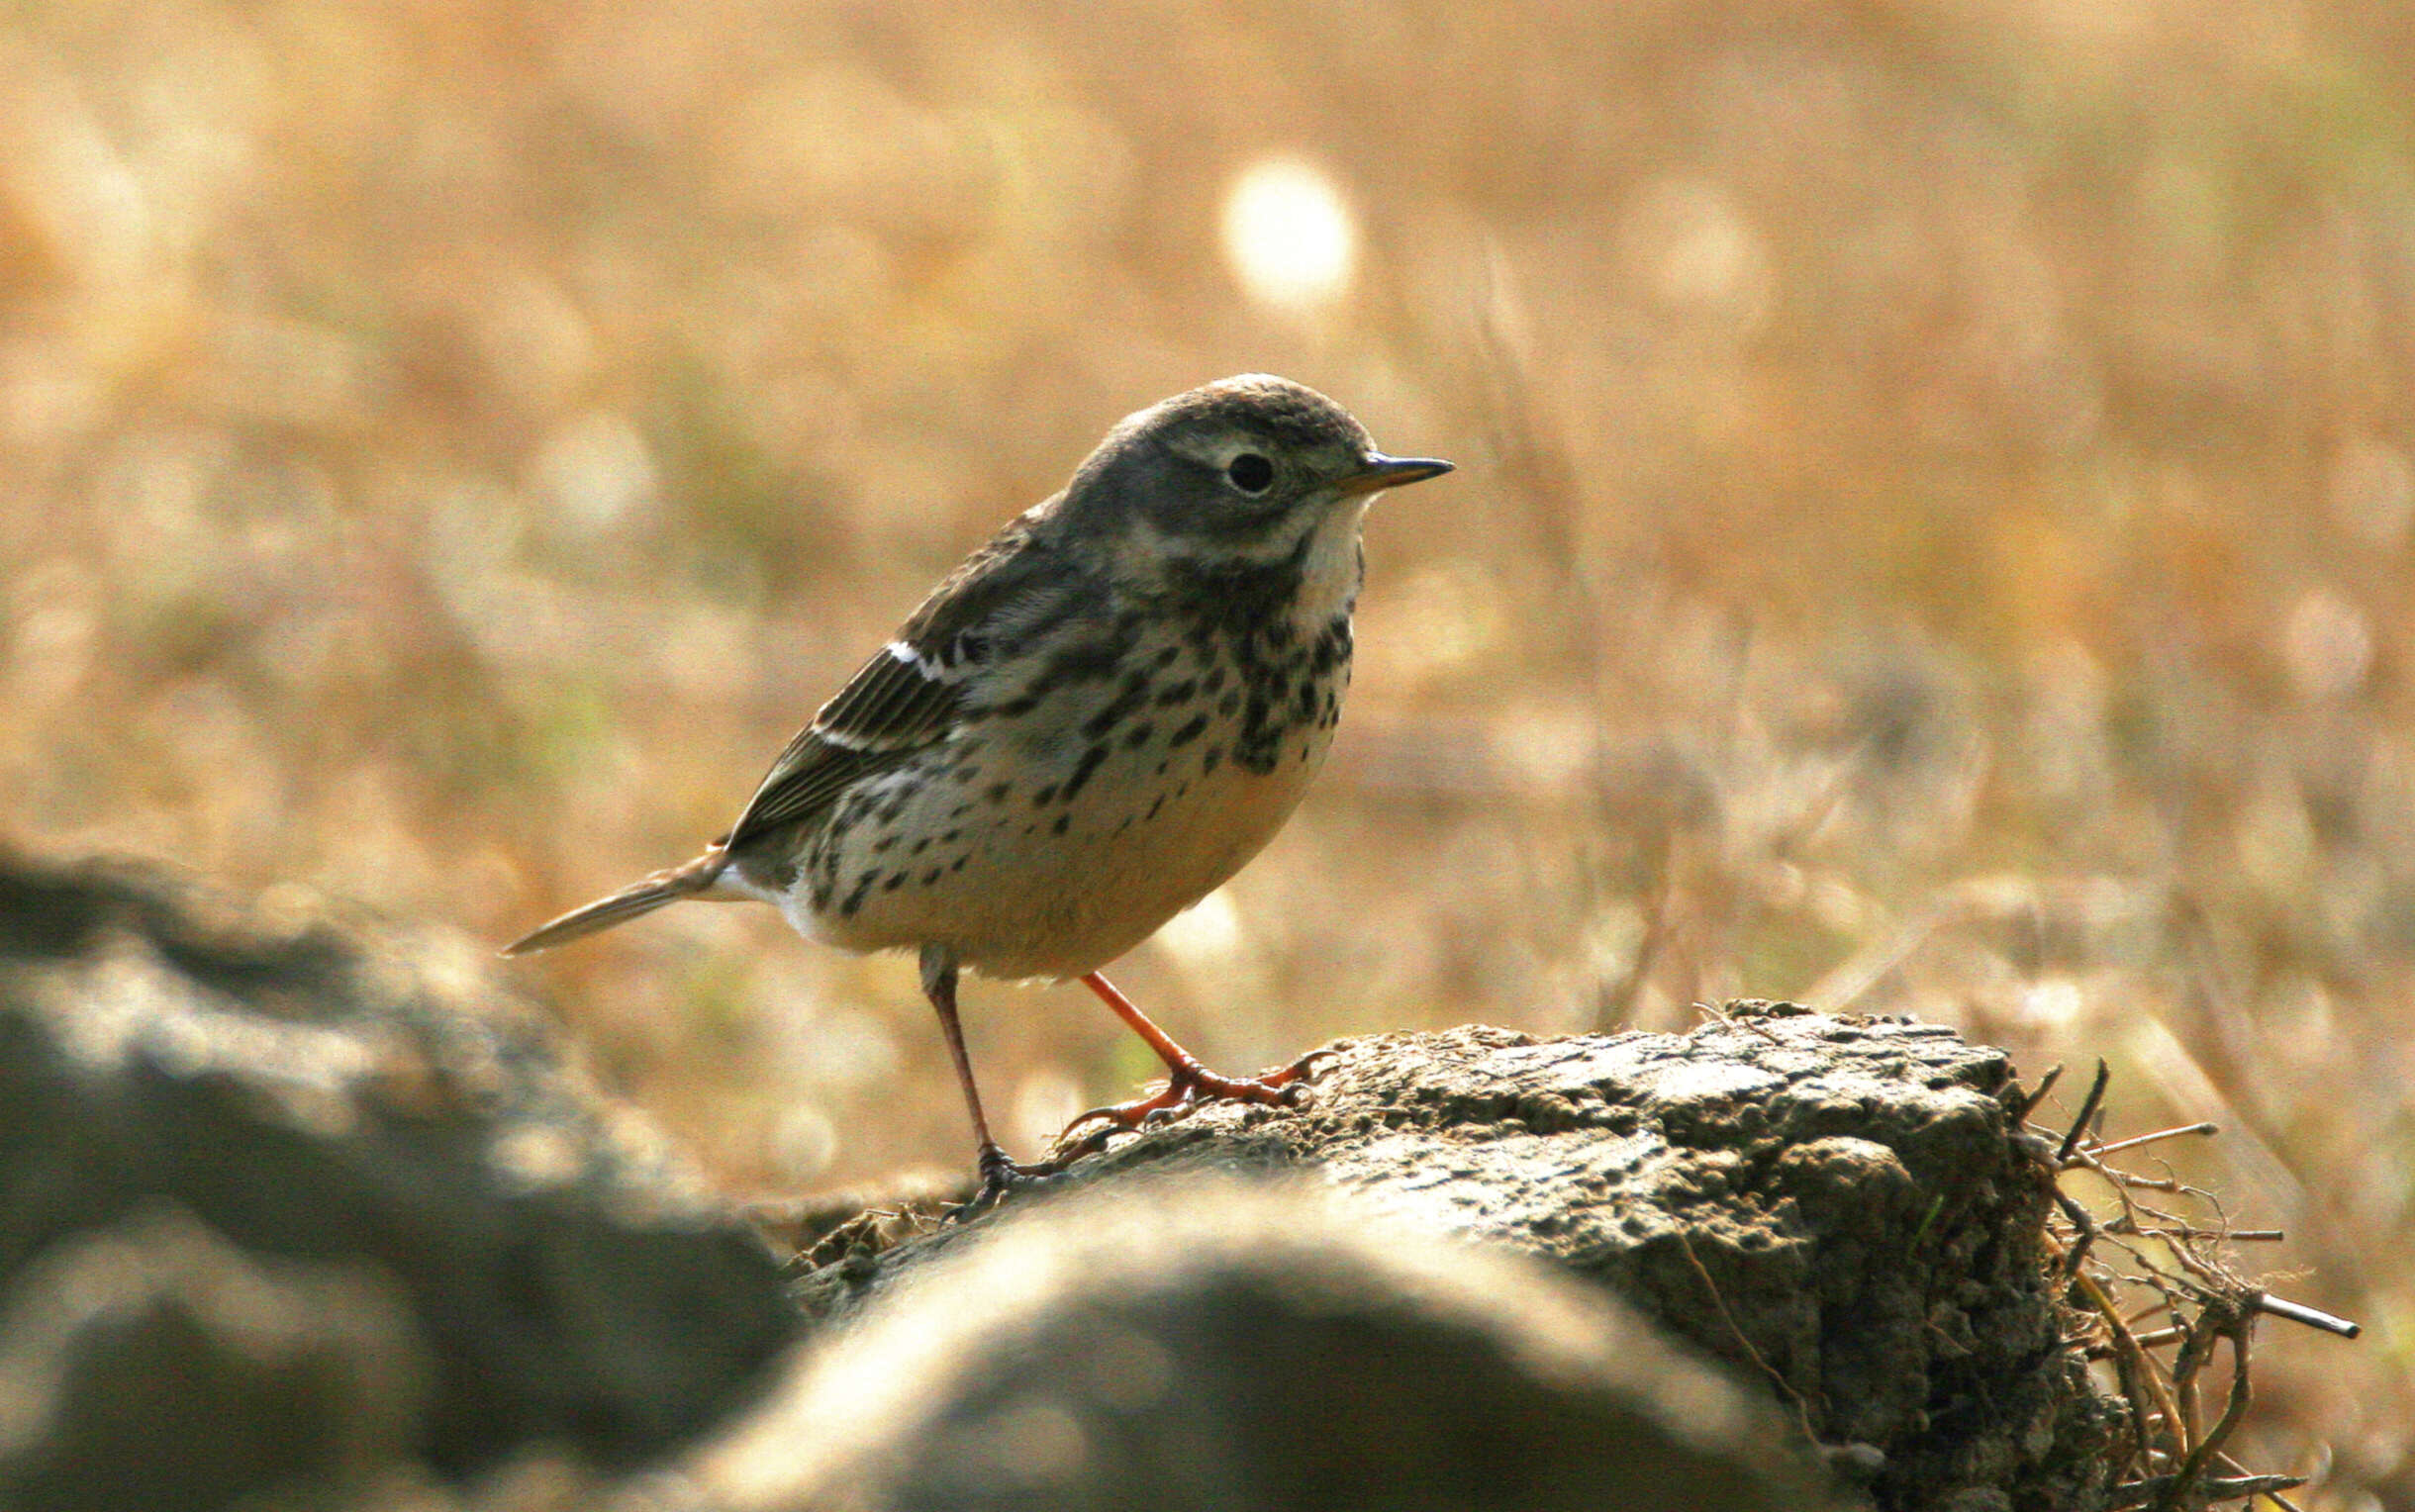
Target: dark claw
[[1088, 1145], [1307, 1067]]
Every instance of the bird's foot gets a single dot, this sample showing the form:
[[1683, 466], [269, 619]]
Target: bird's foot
[[1003, 1178], [1187, 1086]]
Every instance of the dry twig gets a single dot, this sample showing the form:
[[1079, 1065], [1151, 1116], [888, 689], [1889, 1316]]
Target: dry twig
[[2140, 1262], [1785, 1387]]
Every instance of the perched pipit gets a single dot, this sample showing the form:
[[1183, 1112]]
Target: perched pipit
[[1085, 730]]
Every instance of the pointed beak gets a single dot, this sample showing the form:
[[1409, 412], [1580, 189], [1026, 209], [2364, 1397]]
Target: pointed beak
[[1381, 472]]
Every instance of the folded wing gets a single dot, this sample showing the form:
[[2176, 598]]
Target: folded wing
[[910, 694]]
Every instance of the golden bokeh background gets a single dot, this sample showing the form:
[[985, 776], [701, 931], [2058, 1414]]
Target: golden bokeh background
[[1933, 532]]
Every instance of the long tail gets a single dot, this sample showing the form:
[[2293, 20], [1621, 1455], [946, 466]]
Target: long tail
[[664, 886]]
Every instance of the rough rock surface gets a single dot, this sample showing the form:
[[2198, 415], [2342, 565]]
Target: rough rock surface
[[1840, 1207], [291, 1209], [1193, 1345], [216, 1115]]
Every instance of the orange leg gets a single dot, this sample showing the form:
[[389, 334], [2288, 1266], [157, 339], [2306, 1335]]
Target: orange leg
[[1187, 1081]]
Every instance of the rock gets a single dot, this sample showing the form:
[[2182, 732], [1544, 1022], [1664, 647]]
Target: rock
[[150, 1364], [292, 1208], [316, 1100], [1217, 1346], [1843, 1209]]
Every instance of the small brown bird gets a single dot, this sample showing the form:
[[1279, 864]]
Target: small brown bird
[[1092, 723]]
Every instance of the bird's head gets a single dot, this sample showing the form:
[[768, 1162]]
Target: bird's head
[[1244, 470]]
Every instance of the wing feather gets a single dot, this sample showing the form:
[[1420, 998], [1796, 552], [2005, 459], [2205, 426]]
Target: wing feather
[[890, 709], [908, 697]]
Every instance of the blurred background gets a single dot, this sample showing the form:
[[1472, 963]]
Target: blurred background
[[1933, 532]]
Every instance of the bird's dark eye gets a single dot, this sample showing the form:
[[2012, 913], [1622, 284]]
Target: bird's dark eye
[[1250, 473]]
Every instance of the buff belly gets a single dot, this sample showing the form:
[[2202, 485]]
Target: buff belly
[[1023, 884]]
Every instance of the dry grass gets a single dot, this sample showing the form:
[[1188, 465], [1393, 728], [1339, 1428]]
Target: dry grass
[[2157, 1301], [1934, 532]]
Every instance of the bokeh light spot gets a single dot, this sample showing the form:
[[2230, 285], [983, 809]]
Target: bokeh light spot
[[2327, 645], [1288, 234]]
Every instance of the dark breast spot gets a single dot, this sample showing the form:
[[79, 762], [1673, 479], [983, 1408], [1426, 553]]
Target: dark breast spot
[[855, 896], [1082, 771]]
